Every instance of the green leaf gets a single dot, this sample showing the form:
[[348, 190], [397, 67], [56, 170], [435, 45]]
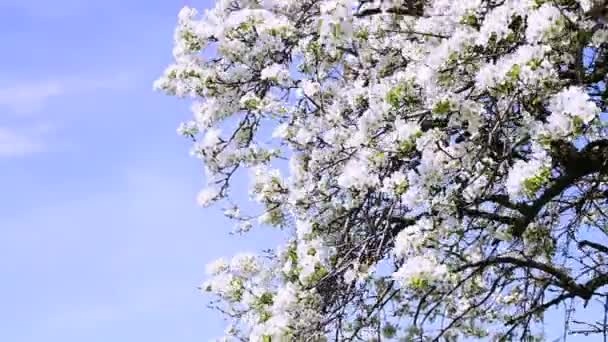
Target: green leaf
[[533, 184], [469, 19], [578, 125], [389, 331], [400, 189], [419, 283], [442, 107], [266, 298], [395, 95], [514, 72]]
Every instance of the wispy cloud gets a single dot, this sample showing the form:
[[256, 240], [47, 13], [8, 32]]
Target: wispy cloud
[[22, 131], [23, 97], [14, 143], [29, 97], [139, 261], [45, 8]]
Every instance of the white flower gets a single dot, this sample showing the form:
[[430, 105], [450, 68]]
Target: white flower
[[286, 298], [522, 63], [350, 275], [303, 136], [586, 4], [357, 175], [475, 188], [497, 21], [188, 129], [287, 267], [207, 196], [411, 237], [244, 264], [404, 130], [558, 125], [232, 212], [303, 228], [250, 101], [244, 226], [574, 101], [281, 131], [187, 13], [542, 20], [310, 88], [211, 138], [395, 184], [275, 72], [523, 171], [599, 37], [216, 267], [419, 267], [221, 284]]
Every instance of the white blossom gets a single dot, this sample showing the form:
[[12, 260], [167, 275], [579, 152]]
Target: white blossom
[[419, 267], [276, 72], [356, 174], [310, 88], [523, 171], [575, 102], [425, 146], [207, 196], [541, 20], [216, 267]]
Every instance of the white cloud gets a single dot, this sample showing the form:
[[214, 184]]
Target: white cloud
[[29, 97], [18, 144], [23, 97], [22, 135], [124, 249], [47, 9]]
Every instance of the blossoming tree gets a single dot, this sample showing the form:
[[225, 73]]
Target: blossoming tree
[[448, 163]]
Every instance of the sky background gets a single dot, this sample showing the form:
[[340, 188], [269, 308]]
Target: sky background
[[100, 235]]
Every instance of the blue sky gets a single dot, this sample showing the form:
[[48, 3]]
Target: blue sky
[[100, 235]]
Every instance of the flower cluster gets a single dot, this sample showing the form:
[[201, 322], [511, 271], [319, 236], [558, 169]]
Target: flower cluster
[[409, 149]]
